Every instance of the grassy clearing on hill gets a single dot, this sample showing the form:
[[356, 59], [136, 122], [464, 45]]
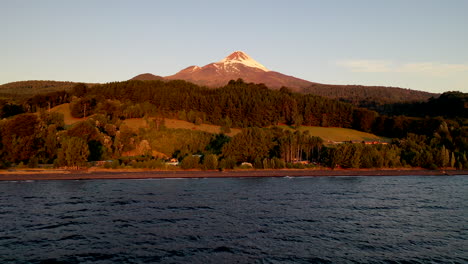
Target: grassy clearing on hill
[[328, 134], [338, 134], [136, 123], [65, 110], [174, 123]]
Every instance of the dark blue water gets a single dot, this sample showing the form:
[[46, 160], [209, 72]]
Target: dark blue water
[[261, 220]]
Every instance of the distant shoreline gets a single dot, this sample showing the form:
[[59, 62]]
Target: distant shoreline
[[31, 174]]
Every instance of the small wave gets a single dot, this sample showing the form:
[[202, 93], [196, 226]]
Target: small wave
[[193, 238], [91, 257], [175, 253], [308, 220], [66, 217], [124, 202], [318, 260], [58, 225], [124, 225], [173, 220], [223, 249], [30, 197], [72, 237], [189, 208], [6, 237]]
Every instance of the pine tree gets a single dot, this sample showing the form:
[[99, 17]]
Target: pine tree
[[74, 152], [452, 160], [445, 157]]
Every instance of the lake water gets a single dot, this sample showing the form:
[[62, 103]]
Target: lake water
[[409, 219]]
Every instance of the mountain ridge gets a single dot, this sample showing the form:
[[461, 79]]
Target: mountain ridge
[[147, 77], [240, 65]]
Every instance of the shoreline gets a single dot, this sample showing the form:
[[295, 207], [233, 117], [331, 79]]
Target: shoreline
[[37, 174]]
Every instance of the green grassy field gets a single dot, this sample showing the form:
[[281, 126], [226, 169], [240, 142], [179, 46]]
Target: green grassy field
[[328, 134], [136, 123], [174, 123], [65, 110], [338, 134]]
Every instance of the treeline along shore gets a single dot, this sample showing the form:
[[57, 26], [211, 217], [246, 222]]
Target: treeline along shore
[[271, 129]]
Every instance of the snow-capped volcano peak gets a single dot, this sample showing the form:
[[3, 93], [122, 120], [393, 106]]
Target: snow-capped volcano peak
[[238, 65], [243, 58]]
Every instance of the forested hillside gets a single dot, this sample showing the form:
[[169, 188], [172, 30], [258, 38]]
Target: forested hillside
[[237, 104], [25, 89], [376, 98], [449, 104], [385, 100], [31, 138]]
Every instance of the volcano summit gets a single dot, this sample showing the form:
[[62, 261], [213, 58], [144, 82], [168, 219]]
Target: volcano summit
[[237, 65], [240, 65]]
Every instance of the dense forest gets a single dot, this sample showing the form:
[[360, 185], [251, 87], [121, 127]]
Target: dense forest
[[371, 97], [396, 101], [19, 91], [31, 135], [449, 104]]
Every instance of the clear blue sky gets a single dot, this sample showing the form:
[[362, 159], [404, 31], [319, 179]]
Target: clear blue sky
[[421, 45]]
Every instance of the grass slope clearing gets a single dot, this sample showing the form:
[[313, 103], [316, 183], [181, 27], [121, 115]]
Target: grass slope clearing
[[328, 134], [65, 110], [337, 134], [136, 123]]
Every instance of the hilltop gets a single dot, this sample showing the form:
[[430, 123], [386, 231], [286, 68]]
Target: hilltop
[[22, 90], [147, 77]]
